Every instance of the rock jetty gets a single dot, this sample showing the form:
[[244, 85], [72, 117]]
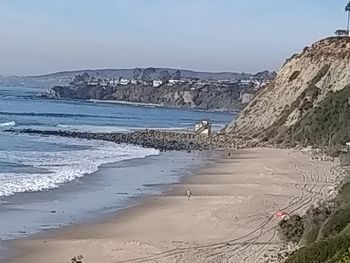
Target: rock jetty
[[161, 140]]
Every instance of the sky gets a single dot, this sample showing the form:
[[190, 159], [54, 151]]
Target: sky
[[44, 36]]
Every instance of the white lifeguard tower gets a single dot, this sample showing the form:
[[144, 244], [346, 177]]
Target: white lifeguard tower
[[203, 127]]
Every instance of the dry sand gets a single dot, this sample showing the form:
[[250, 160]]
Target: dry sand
[[230, 217]]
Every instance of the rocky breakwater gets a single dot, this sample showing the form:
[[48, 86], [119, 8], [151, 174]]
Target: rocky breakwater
[[161, 140]]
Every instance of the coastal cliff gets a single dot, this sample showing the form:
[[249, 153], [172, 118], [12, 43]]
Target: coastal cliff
[[166, 88], [208, 98], [307, 102]]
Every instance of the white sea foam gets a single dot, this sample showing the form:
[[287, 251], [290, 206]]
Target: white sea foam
[[93, 128], [64, 166], [103, 129], [7, 124]]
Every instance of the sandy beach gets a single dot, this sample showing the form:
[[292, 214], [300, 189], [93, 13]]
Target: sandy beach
[[229, 218]]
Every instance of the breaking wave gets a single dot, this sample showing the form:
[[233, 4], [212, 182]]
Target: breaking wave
[[7, 124], [84, 157]]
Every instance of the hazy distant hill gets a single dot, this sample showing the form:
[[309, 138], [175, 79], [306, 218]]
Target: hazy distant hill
[[63, 78]]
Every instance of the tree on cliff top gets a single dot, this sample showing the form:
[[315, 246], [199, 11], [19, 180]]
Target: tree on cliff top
[[164, 76], [347, 9], [136, 73], [80, 79], [177, 75], [146, 74]]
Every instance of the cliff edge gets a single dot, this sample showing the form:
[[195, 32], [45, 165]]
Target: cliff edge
[[302, 84]]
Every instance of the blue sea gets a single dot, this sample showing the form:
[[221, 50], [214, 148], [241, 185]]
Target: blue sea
[[42, 176], [33, 163]]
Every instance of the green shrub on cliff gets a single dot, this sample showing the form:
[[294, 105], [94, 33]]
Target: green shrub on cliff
[[336, 222], [323, 251], [292, 229], [344, 192], [326, 125], [341, 258], [314, 218], [326, 236], [344, 159]]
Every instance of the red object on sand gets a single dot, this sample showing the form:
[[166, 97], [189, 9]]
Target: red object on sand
[[281, 214]]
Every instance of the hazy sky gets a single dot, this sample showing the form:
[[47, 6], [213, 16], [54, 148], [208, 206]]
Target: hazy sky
[[42, 36]]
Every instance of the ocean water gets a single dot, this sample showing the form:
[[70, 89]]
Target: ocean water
[[33, 163], [48, 182]]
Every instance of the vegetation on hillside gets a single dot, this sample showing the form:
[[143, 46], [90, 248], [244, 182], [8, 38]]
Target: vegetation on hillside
[[327, 251], [277, 132], [326, 125], [324, 232], [291, 230]]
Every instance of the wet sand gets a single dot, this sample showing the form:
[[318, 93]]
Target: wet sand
[[229, 218]]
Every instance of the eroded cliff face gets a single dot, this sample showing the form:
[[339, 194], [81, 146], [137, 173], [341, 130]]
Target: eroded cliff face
[[208, 98], [301, 84]]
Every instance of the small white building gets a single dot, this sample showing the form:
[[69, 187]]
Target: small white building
[[92, 83], [157, 83], [173, 81], [124, 82], [104, 83], [113, 82], [203, 127], [260, 85]]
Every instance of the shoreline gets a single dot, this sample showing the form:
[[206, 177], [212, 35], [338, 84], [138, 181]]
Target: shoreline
[[232, 209], [56, 205]]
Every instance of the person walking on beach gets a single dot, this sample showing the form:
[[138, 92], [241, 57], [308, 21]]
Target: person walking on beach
[[188, 193]]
